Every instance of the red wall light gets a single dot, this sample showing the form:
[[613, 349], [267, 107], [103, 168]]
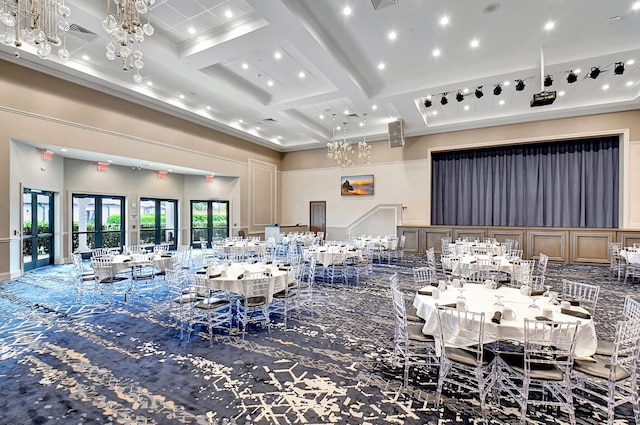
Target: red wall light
[[102, 166], [209, 178]]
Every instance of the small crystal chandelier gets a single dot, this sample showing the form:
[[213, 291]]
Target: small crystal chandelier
[[126, 33], [41, 23], [341, 152]]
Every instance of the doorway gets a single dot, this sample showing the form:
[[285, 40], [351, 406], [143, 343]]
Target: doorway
[[37, 229], [158, 221], [318, 216]]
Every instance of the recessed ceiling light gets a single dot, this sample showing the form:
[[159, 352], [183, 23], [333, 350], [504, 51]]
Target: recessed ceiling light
[[605, 87], [436, 52], [301, 74], [85, 57], [561, 93], [208, 108], [321, 117], [245, 66], [347, 11], [393, 35], [228, 13], [474, 43], [181, 96], [258, 128], [240, 121], [434, 113], [149, 83], [111, 160], [374, 107], [338, 128], [501, 102], [361, 124], [549, 25], [346, 112], [191, 30], [444, 21], [381, 65], [631, 62], [151, 163], [277, 55], [636, 6], [577, 71], [64, 150], [466, 107], [465, 90], [169, 170], [270, 83], [506, 83], [629, 83]]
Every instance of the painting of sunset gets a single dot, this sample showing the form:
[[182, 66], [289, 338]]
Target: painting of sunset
[[356, 185]]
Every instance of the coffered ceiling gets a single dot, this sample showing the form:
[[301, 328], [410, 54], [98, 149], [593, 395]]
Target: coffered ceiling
[[279, 72]]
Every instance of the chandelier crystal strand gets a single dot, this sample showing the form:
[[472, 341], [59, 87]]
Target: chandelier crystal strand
[[41, 23], [126, 33], [364, 149]]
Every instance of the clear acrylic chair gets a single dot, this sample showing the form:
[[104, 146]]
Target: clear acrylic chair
[[283, 301], [612, 380], [181, 297], [213, 310], [630, 311], [411, 346], [464, 362], [542, 376], [253, 307], [586, 295]]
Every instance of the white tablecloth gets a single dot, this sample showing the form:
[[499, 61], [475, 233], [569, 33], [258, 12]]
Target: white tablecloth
[[506, 264], [480, 299], [161, 262], [230, 281], [632, 257], [332, 254]]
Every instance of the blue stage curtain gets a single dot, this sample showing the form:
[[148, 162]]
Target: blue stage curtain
[[572, 183]]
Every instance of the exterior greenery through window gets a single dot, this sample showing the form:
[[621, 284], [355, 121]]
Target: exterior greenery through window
[[158, 221], [98, 222], [209, 220]]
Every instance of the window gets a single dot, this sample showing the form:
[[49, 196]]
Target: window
[[209, 220], [98, 222], [158, 221]]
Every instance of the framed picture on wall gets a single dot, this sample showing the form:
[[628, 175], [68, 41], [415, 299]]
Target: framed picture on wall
[[356, 185]]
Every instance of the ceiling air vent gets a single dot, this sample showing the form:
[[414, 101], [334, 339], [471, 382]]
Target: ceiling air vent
[[269, 120], [81, 30], [379, 4]]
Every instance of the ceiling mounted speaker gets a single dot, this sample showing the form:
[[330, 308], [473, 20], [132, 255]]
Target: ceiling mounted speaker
[[396, 137]]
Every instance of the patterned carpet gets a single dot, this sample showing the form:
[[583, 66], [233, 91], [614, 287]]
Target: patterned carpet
[[65, 359]]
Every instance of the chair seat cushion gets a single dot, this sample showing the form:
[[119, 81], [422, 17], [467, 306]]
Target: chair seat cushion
[[254, 301], [600, 368], [187, 298], [551, 373], [284, 294], [414, 331], [460, 355], [212, 303], [605, 348]]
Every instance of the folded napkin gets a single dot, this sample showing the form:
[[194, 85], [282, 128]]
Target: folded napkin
[[201, 272], [284, 269], [452, 305], [545, 319], [166, 256], [213, 276], [127, 260], [537, 293], [497, 317], [575, 313], [424, 291], [241, 276], [574, 303], [269, 262]]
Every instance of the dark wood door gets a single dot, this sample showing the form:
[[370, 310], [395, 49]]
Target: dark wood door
[[318, 216]]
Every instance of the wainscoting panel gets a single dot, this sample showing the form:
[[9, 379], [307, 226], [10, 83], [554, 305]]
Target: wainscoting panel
[[554, 243], [433, 238], [515, 234], [471, 233], [590, 247], [412, 239], [628, 238]]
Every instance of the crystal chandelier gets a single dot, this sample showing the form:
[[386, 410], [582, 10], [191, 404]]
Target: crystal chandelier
[[340, 151], [41, 23], [126, 33]]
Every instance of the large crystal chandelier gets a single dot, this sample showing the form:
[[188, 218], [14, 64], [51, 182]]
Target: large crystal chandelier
[[41, 23], [340, 151], [126, 33]]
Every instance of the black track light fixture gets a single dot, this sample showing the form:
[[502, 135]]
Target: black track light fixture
[[572, 77], [459, 97], [595, 71], [519, 85], [427, 103], [548, 81], [619, 68], [497, 90], [479, 93], [444, 100]]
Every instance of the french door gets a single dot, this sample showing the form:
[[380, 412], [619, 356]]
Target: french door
[[209, 220], [158, 221], [98, 222], [37, 229]]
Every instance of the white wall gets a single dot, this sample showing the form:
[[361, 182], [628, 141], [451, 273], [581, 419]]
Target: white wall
[[401, 183]]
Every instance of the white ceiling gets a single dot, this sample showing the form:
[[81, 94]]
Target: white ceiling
[[340, 54]]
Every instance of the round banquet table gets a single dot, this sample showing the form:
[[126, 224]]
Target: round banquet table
[[480, 299], [228, 276], [160, 261]]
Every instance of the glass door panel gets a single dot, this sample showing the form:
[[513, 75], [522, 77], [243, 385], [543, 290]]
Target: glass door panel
[[220, 214], [37, 229], [199, 221], [168, 222], [147, 221], [158, 221], [112, 227], [209, 220], [98, 222]]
